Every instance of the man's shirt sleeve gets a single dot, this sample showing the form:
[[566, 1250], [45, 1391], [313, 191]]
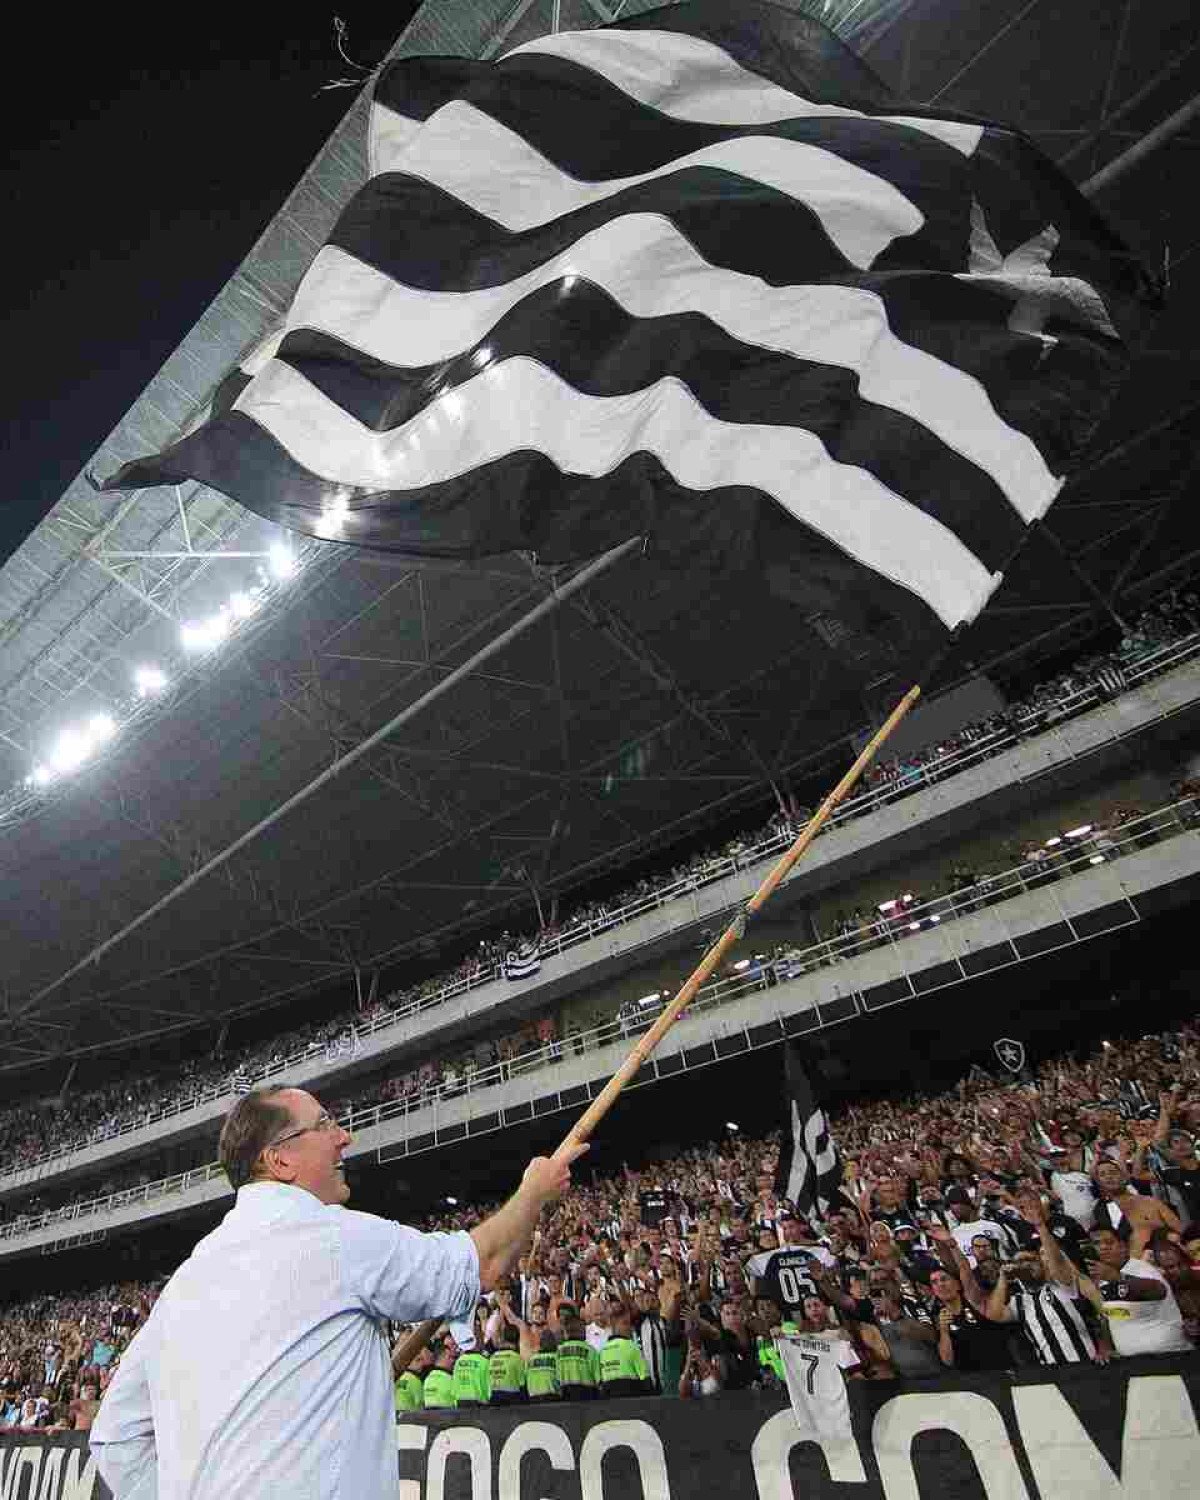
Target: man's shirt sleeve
[[122, 1436], [399, 1273]]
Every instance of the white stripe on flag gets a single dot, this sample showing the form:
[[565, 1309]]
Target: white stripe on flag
[[484, 164], [519, 404], [389, 135], [647, 266], [691, 79]]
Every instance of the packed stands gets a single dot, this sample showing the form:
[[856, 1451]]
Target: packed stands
[[1063, 1193], [1164, 636], [537, 1044]]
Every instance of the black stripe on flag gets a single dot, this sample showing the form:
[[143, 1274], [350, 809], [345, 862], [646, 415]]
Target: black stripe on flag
[[810, 1168], [606, 136]]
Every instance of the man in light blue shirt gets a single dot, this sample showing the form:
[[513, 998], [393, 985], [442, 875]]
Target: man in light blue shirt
[[264, 1369]]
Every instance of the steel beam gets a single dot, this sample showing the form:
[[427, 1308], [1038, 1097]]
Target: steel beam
[[558, 595]]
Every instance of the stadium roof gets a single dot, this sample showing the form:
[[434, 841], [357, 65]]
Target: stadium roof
[[638, 708]]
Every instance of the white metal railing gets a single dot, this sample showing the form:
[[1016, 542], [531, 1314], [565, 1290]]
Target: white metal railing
[[1089, 847], [1152, 663]]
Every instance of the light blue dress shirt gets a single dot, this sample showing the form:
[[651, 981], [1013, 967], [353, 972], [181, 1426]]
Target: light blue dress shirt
[[264, 1369]]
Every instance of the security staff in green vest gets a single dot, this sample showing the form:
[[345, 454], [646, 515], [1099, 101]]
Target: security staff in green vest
[[409, 1384], [506, 1370], [769, 1356], [472, 1386], [578, 1363], [439, 1381], [541, 1372], [622, 1366]]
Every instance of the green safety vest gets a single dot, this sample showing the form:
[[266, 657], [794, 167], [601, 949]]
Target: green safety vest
[[768, 1356], [439, 1390], [410, 1393], [507, 1372], [541, 1375], [578, 1363], [471, 1381], [621, 1359]]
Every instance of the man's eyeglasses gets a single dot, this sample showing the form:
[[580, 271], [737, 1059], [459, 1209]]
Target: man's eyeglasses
[[324, 1121]]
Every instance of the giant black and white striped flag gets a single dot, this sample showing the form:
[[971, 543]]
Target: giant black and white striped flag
[[685, 275], [810, 1168]]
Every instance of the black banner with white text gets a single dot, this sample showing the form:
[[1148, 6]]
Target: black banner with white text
[[1125, 1433]]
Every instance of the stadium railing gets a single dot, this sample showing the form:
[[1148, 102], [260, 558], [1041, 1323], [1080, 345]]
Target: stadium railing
[[1029, 721], [1095, 846]]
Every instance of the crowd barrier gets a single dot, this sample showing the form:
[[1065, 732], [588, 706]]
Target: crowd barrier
[[1127, 1432]]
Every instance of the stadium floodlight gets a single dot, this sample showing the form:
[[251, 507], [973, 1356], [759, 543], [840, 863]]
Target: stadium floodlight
[[203, 635], [40, 776], [242, 605], [281, 560], [732, 1126], [70, 751], [148, 681], [452, 1202], [1080, 832], [78, 744]]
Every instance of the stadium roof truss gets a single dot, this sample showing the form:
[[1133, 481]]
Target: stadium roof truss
[[591, 735]]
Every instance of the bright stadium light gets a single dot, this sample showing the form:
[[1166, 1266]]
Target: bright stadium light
[[452, 1202], [148, 681], [74, 746], [70, 751], [281, 561], [243, 605], [203, 635], [40, 776], [732, 1127]]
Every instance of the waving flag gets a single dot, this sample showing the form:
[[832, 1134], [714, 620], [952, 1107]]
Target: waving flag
[[522, 961], [810, 1168], [693, 275]]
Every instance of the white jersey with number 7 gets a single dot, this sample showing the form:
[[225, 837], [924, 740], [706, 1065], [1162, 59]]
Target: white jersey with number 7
[[813, 1365]]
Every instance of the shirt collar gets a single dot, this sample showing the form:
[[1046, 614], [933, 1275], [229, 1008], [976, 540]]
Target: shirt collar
[[278, 1200]]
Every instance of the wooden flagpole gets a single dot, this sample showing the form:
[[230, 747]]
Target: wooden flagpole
[[582, 1130]]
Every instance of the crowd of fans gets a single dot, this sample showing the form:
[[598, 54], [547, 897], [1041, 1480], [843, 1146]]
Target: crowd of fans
[[1018, 1219], [537, 1043]]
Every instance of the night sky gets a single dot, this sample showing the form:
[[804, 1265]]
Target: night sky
[[145, 153]]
